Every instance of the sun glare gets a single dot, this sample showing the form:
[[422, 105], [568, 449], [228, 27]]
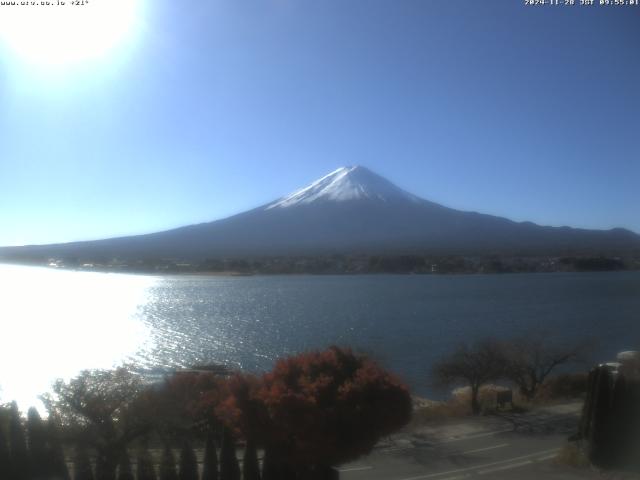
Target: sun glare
[[66, 32], [70, 321]]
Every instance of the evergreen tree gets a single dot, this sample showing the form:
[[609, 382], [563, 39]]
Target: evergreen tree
[[210, 466], [168, 465], [250, 467], [188, 463], [274, 468], [37, 441], [82, 465], [269, 467], [5, 456], [124, 467], [105, 468], [599, 447], [229, 468], [145, 469], [56, 464], [18, 442]]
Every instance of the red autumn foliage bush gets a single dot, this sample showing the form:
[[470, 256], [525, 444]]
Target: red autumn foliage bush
[[318, 408], [242, 408], [182, 402]]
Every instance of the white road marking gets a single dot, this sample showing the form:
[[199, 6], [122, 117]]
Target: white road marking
[[477, 435], [449, 440], [397, 449], [476, 467], [547, 457], [355, 469], [483, 449], [504, 467]]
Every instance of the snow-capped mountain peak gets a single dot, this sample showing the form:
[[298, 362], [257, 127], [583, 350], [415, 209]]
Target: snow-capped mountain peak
[[343, 184]]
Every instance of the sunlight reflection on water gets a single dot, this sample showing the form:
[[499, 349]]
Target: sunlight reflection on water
[[54, 323]]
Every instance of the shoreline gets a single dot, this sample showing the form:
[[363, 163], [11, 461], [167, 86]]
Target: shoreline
[[236, 273]]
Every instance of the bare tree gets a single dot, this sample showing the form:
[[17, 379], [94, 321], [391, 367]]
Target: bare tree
[[474, 365], [530, 359]]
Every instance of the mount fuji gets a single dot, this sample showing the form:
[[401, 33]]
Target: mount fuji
[[350, 210]]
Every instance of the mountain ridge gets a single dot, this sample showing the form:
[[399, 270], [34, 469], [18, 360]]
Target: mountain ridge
[[349, 210]]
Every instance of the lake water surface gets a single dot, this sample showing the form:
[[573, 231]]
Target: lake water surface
[[55, 323]]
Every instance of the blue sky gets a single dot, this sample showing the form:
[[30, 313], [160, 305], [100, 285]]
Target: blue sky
[[215, 107]]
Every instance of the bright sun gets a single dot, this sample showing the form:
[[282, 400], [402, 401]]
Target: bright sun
[[66, 32]]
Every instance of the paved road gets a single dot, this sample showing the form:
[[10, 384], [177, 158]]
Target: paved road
[[498, 447]]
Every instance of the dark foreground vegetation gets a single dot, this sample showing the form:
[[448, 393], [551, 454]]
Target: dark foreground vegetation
[[609, 434], [313, 411]]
